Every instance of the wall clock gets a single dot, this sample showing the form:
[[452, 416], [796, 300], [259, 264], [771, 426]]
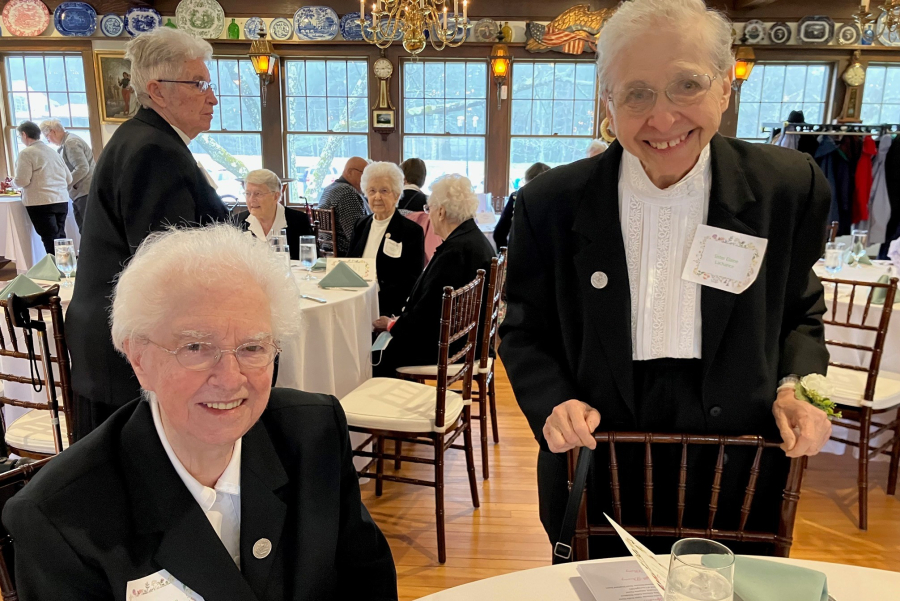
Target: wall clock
[[383, 114]]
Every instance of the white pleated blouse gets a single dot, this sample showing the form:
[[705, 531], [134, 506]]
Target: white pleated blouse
[[658, 227]]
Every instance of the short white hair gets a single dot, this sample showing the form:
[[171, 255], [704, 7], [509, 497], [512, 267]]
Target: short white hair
[[454, 193], [189, 257], [161, 54], [637, 18], [48, 125], [597, 147], [264, 177], [389, 171]]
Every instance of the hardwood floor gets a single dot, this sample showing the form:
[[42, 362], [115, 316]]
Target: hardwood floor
[[505, 534]]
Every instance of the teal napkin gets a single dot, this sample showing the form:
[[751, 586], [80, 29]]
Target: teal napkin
[[45, 269], [22, 285], [763, 580], [342, 276], [850, 259], [880, 294], [319, 265]]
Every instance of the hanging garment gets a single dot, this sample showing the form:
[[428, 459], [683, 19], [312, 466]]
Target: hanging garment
[[788, 140], [863, 181], [836, 168], [892, 178], [879, 201]]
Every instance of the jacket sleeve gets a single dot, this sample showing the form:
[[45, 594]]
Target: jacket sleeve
[[24, 170], [504, 224], [80, 166], [419, 322]]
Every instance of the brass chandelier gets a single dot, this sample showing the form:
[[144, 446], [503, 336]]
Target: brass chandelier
[[890, 9], [420, 21]]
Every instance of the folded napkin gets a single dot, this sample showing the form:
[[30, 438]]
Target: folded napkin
[[850, 259], [879, 295], [764, 580], [22, 285], [45, 269], [343, 276], [319, 265]]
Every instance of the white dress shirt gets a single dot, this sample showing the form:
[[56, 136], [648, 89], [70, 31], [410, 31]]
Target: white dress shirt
[[658, 227], [376, 233], [187, 142], [222, 505], [279, 224]]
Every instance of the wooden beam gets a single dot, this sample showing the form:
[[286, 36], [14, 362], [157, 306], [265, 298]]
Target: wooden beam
[[745, 4]]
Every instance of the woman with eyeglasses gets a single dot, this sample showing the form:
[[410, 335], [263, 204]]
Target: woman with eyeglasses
[[666, 285], [266, 216]]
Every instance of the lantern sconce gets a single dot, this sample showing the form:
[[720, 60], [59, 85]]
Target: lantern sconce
[[743, 66], [500, 64], [264, 60]]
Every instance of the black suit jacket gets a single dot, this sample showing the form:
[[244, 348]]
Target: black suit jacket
[[145, 180], [396, 277], [297, 225], [412, 200], [504, 224], [112, 509]]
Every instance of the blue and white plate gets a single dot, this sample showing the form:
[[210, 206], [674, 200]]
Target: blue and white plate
[[885, 35], [75, 19], [141, 20], [112, 25], [280, 29], [817, 29], [316, 23], [254, 27], [350, 29]]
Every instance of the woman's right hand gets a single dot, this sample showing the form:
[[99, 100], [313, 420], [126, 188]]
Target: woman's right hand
[[381, 324], [570, 425]]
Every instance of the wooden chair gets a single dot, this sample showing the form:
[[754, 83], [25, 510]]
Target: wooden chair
[[484, 374], [864, 391], [326, 231], [831, 231], [393, 409], [781, 539], [38, 433], [12, 482]]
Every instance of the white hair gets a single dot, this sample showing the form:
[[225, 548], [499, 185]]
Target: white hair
[[454, 193], [215, 254], [597, 146], [389, 171], [264, 177], [48, 125], [161, 54], [709, 27]]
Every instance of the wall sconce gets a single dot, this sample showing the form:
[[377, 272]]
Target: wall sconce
[[500, 64], [743, 66], [264, 60]]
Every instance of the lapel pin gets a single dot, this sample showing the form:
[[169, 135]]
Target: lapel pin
[[262, 548], [599, 280]]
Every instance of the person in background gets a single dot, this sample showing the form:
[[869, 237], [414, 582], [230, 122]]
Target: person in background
[[146, 179], [414, 174], [266, 216], [596, 147], [396, 243], [504, 224], [44, 180], [344, 197], [79, 158], [125, 86]]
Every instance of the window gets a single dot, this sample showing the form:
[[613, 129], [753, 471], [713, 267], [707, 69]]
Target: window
[[233, 145], [553, 109], [774, 90], [327, 121], [881, 95], [40, 87], [446, 101]]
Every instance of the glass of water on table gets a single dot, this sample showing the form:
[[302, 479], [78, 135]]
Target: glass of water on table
[[308, 255], [700, 570], [834, 257], [64, 250]]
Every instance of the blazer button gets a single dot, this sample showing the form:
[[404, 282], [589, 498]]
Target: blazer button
[[715, 411], [599, 280]]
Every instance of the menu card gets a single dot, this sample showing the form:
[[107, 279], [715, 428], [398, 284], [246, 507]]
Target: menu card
[[618, 581], [365, 268]]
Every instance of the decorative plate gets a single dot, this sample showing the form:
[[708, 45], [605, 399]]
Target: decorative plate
[[203, 18], [280, 29], [26, 18], [316, 23], [818, 29], [780, 33], [75, 19], [486, 30], [350, 29], [112, 25], [141, 20], [254, 27], [886, 37], [849, 34], [754, 31]]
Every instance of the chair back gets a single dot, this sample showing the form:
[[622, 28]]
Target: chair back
[[325, 230], [27, 314], [460, 313], [496, 283], [782, 538], [831, 231], [10, 483]]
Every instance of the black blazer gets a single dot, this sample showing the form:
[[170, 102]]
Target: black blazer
[[112, 509], [297, 225], [412, 200], [504, 224], [145, 180], [396, 277]]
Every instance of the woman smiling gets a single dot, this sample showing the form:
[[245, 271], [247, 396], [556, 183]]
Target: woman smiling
[[266, 216]]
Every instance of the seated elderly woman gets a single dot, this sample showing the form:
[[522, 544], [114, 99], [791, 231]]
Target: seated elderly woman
[[451, 208], [396, 243], [213, 484], [266, 216]]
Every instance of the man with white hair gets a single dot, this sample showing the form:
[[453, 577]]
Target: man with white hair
[[79, 158], [145, 180]]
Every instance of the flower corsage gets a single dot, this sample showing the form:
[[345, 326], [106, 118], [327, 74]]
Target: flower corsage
[[816, 390]]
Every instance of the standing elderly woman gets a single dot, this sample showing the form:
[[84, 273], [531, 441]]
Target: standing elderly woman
[[266, 216], [605, 326], [396, 243], [214, 481], [451, 208], [79, 158]]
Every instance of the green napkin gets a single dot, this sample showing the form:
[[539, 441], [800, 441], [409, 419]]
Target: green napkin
[[319, 265], [45, 269], [880, 294], [22, 285], [763, 580], [850, 259], [342, 276]]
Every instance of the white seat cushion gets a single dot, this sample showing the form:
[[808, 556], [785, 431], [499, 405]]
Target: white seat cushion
[[32, 432], [431, 370], [391, 404], [850, 386]]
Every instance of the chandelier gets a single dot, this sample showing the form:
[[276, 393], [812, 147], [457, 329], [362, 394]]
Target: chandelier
[[419, 21], [891, 18]]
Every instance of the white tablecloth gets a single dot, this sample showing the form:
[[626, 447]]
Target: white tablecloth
[[18, 240], [562, 583]]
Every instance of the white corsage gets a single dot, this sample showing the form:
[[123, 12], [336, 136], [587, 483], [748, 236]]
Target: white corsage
[[816, 390]]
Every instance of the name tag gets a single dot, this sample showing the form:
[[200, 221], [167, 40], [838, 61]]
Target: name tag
[[393, 249], [724, 259], [161, 586]]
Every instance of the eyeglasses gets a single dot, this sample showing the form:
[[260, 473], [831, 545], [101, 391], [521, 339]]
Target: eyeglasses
[[203, 86], [200, 356], [255, 195], [684, 91], [426, 208]]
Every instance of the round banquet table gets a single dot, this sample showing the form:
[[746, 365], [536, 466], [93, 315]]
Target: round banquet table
[[562, 583], [18, 240]]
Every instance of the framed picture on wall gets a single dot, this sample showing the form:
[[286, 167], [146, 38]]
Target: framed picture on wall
[[118, 101], [383, 119]]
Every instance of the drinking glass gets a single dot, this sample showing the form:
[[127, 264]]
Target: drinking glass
[[64, 250], [280, 247], [700, 570], [308, 255], [834, 257], [858, 245]]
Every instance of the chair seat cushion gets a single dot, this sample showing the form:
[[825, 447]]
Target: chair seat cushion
[[850, 387], [431, 370], [32, 432], [399, 405]]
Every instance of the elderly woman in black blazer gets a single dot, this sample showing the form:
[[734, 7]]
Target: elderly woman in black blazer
[[396, 243], [266, 216]]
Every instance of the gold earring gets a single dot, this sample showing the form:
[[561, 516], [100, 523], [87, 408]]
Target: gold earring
[[605, 133]]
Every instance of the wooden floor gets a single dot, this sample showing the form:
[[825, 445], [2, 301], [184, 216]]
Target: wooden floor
[[505, 534]]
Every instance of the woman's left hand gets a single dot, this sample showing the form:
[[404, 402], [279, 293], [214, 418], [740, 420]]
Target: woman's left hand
[[804, 428], [381, 324]]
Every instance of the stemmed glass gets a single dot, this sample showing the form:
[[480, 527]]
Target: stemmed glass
[[308, 255], [858, 245], [64, 250], [700, 570]]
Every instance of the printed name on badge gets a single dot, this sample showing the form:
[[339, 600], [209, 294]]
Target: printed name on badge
[[723, 259]]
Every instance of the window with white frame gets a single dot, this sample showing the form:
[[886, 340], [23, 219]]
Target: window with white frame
[[881, 95]]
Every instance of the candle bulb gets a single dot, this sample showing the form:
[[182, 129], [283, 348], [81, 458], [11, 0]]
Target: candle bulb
[[362, 9], [465, 11], [455, 9], [865, 4], [445, 18]]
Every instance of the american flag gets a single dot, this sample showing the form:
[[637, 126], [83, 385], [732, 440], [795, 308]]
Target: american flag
[[572, 42]]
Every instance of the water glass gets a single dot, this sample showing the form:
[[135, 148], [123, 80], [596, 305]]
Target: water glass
[[308, 255], [64, 250], [280, 247], [834, 257], [858, 245], [700, 570]]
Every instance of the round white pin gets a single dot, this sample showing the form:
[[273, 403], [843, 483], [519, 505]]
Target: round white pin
[[599, 280], [262, 548], [388, 235]]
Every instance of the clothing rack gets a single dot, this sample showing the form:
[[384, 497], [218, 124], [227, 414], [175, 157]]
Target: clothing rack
[[834, 129]]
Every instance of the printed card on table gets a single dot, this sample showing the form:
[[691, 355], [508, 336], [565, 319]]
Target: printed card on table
[[655, 571], [365, 268], [618, 581], [724, 259]]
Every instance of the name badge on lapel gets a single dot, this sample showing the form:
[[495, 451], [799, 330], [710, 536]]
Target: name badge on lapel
[[724, 259], [161, 586], [393, 249]]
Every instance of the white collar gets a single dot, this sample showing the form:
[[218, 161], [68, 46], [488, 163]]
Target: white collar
[[697, 180], [184, 137], [279, 224], [412, 187]]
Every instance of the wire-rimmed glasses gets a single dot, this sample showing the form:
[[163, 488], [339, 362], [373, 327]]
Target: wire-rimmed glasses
[[200, 356], [686, 90]]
